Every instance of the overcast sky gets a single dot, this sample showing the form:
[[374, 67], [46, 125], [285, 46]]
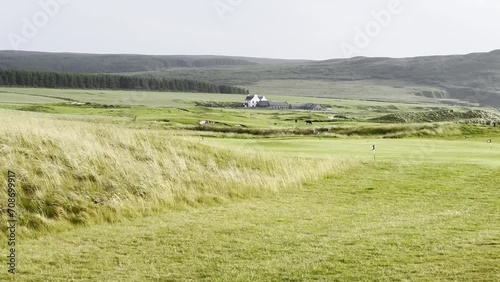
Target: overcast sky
[[293, 29]]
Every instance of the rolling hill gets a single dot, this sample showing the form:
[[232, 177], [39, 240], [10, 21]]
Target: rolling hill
[[108, 63], [471, 79]]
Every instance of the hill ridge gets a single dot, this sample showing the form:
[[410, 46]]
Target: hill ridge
[[474, 77]]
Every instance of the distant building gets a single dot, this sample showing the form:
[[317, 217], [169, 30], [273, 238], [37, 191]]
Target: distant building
[[256, 101], [251, 101], [264, 104], [273, 105], [308, 107]]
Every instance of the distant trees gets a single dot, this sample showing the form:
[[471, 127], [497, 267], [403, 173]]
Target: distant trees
[[22, 78]]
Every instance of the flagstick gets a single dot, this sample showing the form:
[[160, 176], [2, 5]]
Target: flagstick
[[374, 154]]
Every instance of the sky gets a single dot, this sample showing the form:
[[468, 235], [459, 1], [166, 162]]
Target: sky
[[289, 29]]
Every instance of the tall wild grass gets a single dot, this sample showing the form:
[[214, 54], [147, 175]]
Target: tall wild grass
[[73, 172]]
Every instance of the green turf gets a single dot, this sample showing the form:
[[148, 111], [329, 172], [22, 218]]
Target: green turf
[[378, 222], [184, 116], [473, 150]]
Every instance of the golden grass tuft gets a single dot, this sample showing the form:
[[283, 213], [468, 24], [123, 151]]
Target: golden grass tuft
[[73, 172]]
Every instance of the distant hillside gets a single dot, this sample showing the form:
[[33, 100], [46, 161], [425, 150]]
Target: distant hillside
[[94, 63], [474, 78], [471, 78]]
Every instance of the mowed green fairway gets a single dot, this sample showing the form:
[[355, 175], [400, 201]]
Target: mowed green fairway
[[376, 222], [473, 150]]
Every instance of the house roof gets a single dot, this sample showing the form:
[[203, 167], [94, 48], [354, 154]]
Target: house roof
[[308, 106], [263, 104], [250, 97], [278, 104]]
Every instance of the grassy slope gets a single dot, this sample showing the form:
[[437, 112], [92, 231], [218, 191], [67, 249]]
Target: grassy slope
[[81, 173], [385, 222], [471, 78], [395, 91], [158, 100], [176, 99], [109, 97], [105, 63], [10, 96]]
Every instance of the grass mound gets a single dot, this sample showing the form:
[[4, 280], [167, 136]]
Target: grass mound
[[347, 131], [79, 173], [476, 116]]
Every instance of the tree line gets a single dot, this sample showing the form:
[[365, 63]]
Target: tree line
[[35, 79]]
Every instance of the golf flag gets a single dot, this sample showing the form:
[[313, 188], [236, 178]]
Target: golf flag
[[373, 147]]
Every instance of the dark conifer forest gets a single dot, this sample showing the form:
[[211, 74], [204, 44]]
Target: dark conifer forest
[[22, 78]]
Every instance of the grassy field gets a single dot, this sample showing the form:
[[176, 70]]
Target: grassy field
[[380, 221], [174, 99], [102, 198], [111, 97], [179, 108], [381, 90]]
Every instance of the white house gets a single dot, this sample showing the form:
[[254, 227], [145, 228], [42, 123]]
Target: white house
[[252, 100]]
